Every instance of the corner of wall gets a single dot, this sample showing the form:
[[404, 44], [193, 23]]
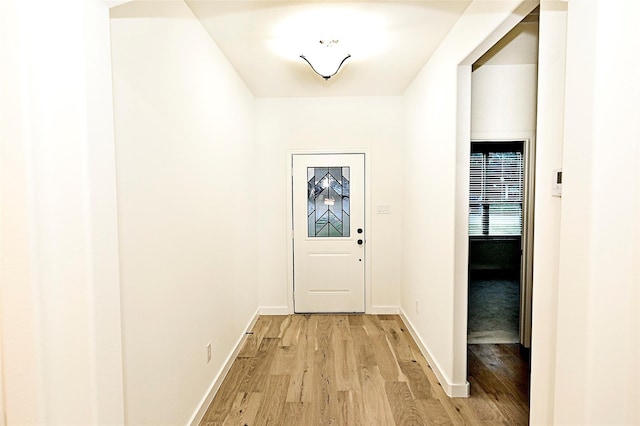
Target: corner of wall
[[453, 390]]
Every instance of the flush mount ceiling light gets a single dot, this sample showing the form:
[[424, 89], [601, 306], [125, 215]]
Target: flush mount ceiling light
[[326, 59]]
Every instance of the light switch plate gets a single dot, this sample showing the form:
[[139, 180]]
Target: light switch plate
[[383, 209]]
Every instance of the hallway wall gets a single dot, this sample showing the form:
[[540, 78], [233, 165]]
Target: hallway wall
[[435, 183], [59, 283], [597, 376], [550, 132], [187, 198], [373, 124]]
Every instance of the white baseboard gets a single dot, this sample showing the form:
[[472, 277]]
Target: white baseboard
[[197, 417], [375, 310], [451, 389], [274, 310], [384, 310]]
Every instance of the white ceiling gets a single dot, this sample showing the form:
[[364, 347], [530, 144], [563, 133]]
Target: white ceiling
[[390, 41]]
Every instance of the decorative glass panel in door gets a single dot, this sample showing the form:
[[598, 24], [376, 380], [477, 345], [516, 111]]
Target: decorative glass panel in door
[[328, 206]]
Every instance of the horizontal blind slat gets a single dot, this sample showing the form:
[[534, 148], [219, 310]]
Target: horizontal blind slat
[[496, 193]]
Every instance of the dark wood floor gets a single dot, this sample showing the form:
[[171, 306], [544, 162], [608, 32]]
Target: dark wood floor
[[360, 370]]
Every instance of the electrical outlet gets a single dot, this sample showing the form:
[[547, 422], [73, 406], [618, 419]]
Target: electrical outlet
[[208, 352], [417, 306]]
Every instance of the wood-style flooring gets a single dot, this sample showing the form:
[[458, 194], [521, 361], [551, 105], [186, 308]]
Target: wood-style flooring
[[360, 370]]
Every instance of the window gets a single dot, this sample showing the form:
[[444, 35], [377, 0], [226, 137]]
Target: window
[[496, 189]]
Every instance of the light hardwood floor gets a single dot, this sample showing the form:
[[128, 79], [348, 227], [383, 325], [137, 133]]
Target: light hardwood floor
[[359, 370]]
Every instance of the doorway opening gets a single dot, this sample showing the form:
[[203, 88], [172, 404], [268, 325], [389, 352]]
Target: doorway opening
[[496, 207], [500, 222]]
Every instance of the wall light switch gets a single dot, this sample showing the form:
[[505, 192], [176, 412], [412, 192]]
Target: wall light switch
[[383, 209]]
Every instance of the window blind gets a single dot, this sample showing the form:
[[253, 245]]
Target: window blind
[[496, 193]]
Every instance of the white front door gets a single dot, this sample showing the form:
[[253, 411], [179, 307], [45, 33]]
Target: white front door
[[329, 234]]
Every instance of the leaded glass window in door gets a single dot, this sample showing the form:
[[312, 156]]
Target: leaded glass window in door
[[328, 201]]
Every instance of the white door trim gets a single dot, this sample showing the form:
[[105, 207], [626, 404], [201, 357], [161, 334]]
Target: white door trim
[[367, 222]]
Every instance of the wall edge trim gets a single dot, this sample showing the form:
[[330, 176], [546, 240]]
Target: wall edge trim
[[202, 407], [453, 390]]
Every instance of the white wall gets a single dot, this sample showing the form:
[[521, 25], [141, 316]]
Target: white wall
[[597, 377], [436, 171], [60, 293], [550, 129], [503, 101], [23, 401], [504, 86], [187, 200], [374, 124]]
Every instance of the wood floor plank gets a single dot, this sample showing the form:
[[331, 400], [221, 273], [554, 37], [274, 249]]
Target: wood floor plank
[[510, 365], [432, 412], [283, 360], [363, 346], [254, 338], [293, 413], [418, 382], [303, 370], [484, 407], [324, 331], [372, 325], [376, 404], [309, 361], [398, 340], [383, 317], [221, 405], [292, 330], [460, 411], [341, 327], [346, 368], [275, 322], [488, 383], [510, 369], [385, 360], [272, 411], [403, 405], [301, 378], [258, 375], [244, 409], [356, 320], [325, 393], [350, 409]]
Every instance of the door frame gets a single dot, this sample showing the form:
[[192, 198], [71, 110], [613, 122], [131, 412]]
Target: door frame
[[367, 222], [526, 263]]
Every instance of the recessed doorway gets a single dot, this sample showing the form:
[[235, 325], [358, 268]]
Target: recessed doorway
[[500, 223], [496, 224]]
